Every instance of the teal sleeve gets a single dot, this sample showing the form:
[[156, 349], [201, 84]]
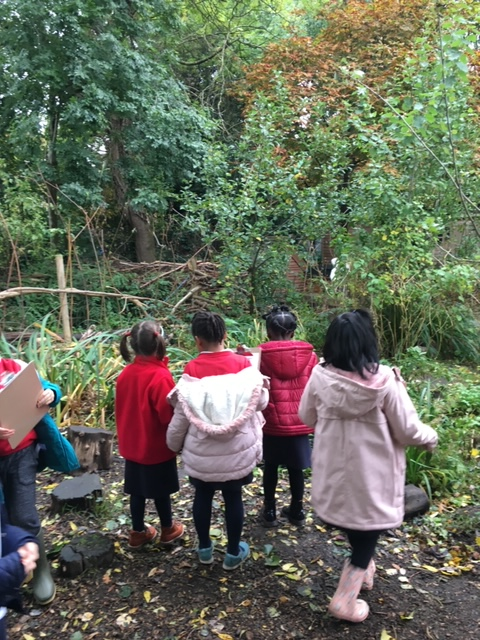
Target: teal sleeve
[[53, 387]]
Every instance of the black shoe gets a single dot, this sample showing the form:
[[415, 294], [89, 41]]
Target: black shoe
[[268, 516], [296, 517]]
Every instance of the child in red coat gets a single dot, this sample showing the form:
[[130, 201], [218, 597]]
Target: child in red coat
[[288, 363], [142, 415]]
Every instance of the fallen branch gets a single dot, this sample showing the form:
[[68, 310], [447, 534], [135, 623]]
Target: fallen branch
[[186, 297], [22, 291]]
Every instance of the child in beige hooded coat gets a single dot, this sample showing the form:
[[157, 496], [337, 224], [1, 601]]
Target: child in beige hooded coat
[[363, 419]]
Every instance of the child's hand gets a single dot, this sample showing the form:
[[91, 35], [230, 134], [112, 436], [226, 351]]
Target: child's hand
[[45, 398], [5, 433], [29, 556]]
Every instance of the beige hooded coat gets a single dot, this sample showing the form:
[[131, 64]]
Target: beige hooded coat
[[217, 424], [361, 430]]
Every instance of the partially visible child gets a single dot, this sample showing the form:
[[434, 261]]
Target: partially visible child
[[363, 419], [18, 475], [288, 363], [217, 426], [142, 415], [18, 558]]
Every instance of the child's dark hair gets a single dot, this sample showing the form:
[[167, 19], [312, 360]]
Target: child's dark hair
[[280, 321], [351, 343], [146, 339], [208, 326]]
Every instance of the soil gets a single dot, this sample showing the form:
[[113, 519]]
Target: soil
[[167, 594]]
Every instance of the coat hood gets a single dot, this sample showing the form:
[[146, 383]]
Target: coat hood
[[219, 404], [285, 359], [349, 396]]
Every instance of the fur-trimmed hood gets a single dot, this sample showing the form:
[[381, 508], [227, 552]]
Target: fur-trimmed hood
[[219, 405]]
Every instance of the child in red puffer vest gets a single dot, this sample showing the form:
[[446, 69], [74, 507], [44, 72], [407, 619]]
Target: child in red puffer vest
[[288, 363]]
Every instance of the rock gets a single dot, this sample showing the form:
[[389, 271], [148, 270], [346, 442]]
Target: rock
[[84, 552], [78, 493], [416, 501]]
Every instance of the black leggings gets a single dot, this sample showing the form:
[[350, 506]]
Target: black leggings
[[202, 515], [137, 511], [270, 480], [363, 545]]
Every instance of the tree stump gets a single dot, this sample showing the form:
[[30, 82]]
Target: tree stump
[[94, 447], [77, 493], [86, 551]]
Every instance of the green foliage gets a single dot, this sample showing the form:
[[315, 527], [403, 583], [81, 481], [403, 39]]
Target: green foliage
[[259, 210], [93, 114]]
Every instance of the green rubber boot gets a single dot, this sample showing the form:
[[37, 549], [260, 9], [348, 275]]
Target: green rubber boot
[[43, 586]]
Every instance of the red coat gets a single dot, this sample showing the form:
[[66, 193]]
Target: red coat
[[142, 412], [288, 364]]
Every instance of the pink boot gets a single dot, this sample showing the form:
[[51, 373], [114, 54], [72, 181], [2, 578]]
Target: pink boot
[[368, 577], [344, 604]]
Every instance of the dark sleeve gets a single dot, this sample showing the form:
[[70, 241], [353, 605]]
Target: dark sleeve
[[12, 572]]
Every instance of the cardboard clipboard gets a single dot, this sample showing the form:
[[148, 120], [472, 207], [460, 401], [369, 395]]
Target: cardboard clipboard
[[18, 404]]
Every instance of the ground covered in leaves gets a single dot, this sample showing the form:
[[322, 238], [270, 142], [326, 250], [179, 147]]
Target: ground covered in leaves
[[427, 583]]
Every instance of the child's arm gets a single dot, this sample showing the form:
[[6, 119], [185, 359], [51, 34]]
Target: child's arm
[[177, 429], [20, 551], [50, 395], [405, 425], [307, 409], [159, 400], [264, 396]]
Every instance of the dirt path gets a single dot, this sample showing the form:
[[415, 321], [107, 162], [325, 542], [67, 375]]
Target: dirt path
[[168, 595]]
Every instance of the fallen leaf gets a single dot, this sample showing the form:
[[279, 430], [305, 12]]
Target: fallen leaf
[[86, 617], [385, 635], [406, 616], [148, 596]]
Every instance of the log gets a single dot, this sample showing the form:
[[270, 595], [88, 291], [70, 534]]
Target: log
[[94, 447]]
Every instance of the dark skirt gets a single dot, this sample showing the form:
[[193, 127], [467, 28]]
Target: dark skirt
[[228, 485], [151, 480], [287, 451]]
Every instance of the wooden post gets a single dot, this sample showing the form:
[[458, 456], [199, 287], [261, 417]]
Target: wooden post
[[67, 331]]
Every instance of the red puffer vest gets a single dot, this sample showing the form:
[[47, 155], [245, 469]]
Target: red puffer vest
[[288, 364]]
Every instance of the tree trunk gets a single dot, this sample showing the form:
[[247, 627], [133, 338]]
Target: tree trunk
[[144, 236], [51, 158]]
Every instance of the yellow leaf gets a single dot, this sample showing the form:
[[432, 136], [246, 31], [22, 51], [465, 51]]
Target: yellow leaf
[[148, 596], [475, 453], [51, 486], [430, 568], [224, 636], [406, 616], [73, 526], [385, 635], [27, 636]]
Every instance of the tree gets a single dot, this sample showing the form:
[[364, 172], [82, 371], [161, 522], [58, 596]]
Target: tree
[[91, 107]]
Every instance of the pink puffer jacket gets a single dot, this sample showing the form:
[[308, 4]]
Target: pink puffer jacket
[[288, 364]]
